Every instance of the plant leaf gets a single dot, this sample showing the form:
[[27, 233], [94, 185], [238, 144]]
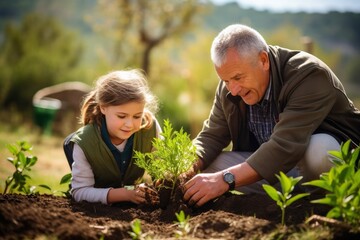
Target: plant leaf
[[319, 183], [45, 186], [66, 178], [271, 191], [296, 197]]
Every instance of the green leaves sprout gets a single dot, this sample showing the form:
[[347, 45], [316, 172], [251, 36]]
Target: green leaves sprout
[[136, 232], [284, 198], [23, 164], [342, 184], [174, 154], [183, 224]]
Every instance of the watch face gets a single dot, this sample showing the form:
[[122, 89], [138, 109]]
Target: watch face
[[228, 177]]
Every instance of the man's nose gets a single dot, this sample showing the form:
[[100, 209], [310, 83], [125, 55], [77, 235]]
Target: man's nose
[[233, 88]]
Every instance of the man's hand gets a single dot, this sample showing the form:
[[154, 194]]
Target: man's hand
[[204, 187]]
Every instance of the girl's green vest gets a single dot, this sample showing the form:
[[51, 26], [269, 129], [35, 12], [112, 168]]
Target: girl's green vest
[[103, 164]]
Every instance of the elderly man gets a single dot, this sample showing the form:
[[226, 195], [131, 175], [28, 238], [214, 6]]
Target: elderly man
[[281, 109]]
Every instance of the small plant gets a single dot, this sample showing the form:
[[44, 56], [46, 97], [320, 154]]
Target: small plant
[[22, 164], [284, 198], [346, 155], [183, 225], [342, 184], [174, 154], [136, 231], [66, 179]]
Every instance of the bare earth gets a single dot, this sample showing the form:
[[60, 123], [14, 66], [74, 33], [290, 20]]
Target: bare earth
[[229, 217]]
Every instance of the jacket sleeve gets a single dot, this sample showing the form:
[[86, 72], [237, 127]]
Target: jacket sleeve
[[215, 134], [306, 100]]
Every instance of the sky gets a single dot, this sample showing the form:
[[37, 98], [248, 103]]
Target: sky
[[320, 6]]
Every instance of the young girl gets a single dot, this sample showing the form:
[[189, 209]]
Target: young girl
[[117, 120]]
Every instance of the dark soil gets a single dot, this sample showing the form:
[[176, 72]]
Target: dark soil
[[229, 217]]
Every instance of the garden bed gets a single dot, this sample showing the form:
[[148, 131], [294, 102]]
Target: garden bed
[[229, 217]]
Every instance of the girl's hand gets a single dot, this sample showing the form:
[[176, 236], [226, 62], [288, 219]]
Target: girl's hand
[[142, 194]]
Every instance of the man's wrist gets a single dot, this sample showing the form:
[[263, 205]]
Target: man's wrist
[[229, 178]]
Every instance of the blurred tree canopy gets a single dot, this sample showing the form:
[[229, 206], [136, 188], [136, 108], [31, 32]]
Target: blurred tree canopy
[[37, 53], [138, 26]]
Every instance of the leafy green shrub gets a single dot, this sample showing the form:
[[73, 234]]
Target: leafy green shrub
[[342, 184], [22, 164], [346, 155], [174, 154], [284, 198], [34, 62]]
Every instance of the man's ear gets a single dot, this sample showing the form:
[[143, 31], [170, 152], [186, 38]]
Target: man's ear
[[264, 59]]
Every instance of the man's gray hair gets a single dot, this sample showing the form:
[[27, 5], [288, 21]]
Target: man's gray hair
[[247, 41]]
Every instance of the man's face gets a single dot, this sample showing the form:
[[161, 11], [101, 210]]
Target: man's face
[[247, 78]]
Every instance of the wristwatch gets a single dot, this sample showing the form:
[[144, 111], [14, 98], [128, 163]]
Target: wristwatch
[[229, 178]]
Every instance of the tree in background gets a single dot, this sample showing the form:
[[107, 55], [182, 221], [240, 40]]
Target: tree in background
[[139, 26], [37, 53]]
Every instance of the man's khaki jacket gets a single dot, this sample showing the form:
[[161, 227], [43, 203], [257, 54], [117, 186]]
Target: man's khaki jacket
[[309, 99]]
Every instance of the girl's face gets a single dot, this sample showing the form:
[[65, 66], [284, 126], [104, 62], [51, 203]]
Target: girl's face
[[123, 120]]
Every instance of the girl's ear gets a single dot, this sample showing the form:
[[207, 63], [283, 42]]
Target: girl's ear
[[102, 109]]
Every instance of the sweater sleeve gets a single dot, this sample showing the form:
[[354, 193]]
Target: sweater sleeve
[[83, 181]]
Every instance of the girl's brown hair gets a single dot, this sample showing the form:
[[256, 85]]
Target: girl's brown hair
[[117, 88]]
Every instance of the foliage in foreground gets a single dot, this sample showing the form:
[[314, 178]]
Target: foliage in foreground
[[284, 199], [183, 225], [342, 183], [182, 231], [136, 232], [22, 164], [23, 161]]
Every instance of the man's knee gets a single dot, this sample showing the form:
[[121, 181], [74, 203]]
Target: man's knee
[[316, 158]]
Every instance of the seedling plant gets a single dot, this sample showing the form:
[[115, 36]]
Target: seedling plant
[[22, 164], [285, 198], [342, 184], [183, 224], [174, 154], [136, 232]]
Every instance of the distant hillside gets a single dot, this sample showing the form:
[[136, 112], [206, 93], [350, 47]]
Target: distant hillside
[[334, 29]]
